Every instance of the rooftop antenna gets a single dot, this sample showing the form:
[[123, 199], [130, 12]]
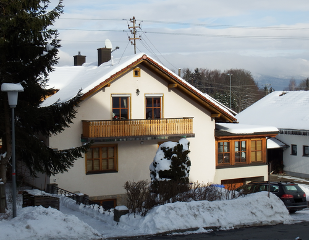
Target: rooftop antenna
[[115, 49], [108, 44]]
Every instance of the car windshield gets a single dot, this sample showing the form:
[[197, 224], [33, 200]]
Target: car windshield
[[292, 189]]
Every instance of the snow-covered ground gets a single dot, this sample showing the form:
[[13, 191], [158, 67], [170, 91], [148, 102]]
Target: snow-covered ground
[[78, 222]]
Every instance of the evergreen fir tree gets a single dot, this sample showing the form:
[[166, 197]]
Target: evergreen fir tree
[[28, 52], [179, 163]]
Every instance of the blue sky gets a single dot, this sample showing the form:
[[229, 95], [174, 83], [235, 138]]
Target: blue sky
[[264, 37]]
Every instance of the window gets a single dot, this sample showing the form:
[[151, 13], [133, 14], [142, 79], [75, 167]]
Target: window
[[102, 159], [256, 151], [293, 149], [223, 152], [107, 203], [120, 107], [306, 151], [136, 72], [153, 107], [240, 151]]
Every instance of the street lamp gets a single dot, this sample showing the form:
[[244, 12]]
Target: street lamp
[[230, 74], [12, 89]]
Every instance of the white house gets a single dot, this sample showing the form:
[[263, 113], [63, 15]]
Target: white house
[[288, 112], [130, 106]]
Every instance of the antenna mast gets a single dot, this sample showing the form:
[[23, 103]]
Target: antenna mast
[[133, 31]]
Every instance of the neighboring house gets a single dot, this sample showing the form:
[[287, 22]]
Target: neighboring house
[[241, 148], [288, 112], [129, 107]]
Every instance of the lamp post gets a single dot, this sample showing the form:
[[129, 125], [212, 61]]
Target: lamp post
[[12, 89], [230, 74]]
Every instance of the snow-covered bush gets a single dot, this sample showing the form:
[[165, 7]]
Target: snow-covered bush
[[171, 162]]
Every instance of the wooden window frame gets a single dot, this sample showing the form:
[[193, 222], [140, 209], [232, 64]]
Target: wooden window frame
[[248, 151], [223, 153], [153, 107], [128, 108], [241, 151], [136, 72], [115, 160], [292, 150], [256, 151]]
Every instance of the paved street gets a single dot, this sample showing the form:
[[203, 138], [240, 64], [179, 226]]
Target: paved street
[[280, 232]]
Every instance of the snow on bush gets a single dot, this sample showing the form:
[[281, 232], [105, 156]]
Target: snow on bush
[[171, 162]]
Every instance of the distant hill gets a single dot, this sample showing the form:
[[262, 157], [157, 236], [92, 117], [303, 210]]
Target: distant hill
[[277, 83]]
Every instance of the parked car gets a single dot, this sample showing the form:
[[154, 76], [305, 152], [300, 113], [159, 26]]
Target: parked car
[[290, 193]]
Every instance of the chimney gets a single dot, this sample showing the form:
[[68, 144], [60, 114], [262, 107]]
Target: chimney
[[104, 55], [79, 60], [179, 72]]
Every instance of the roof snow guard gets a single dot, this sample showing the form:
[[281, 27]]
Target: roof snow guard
[[294, 132]]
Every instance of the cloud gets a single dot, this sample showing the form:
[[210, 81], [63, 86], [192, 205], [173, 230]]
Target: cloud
[[267, 37]]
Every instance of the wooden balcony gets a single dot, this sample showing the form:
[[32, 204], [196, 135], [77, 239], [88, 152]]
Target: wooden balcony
[[141, 129]]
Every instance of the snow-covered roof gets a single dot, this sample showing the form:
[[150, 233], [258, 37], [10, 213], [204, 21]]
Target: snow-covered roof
[[71, 79], [288, 110], [275, 143], [237, 128], [90, 78]]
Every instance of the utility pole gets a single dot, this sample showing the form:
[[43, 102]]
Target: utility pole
[[230, 74], [133, 31]]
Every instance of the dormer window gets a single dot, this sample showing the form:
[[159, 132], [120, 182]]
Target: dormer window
[[136, 72]]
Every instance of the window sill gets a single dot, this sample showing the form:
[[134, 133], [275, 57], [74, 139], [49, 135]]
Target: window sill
[[100, 172], [240, 165]]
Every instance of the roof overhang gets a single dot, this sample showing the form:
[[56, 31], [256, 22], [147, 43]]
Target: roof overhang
[[236, 130], [173, 82]]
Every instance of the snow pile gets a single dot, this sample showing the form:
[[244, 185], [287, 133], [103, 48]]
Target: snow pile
[[96, 212], [45, 223], [86, 222], [254, 209], [37, 192]]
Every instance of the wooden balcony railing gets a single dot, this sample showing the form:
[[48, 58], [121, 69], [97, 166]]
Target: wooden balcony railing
[[134, 128]]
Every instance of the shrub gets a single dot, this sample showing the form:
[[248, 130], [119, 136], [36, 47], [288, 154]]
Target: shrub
[[171, 162], [137, 194], [141, 198]]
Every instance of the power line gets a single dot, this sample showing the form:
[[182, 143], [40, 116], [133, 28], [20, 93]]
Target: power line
[[196, 34], [194, 24], [158, 51]]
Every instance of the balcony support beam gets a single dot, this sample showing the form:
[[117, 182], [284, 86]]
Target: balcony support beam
[[144, 138]]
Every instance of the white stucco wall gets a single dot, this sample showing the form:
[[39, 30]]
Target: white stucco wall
[[241, 172], [298, 164], [133, 158]]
